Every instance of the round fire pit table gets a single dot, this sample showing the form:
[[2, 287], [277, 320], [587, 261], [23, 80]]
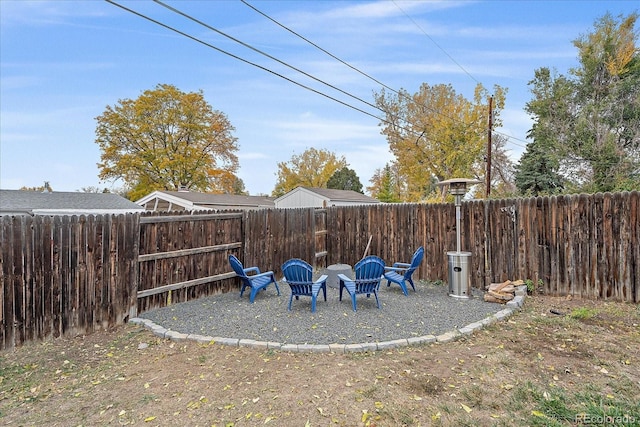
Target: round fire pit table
[[332, 272]]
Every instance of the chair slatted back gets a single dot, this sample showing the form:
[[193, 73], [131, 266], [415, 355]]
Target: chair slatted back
[[237, 266], [415, 262], [369, 271], [299, 275]]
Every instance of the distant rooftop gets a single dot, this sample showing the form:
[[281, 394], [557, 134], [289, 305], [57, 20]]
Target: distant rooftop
[[14, 202]]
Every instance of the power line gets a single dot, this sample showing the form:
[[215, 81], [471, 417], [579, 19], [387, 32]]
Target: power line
[[243, 60], [399, 93], [182, 33], [318, 47], [434, 42], [510, 137], [248, 46]]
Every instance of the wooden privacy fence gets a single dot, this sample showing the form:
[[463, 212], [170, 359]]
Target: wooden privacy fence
[[72, 275], [65, 275]]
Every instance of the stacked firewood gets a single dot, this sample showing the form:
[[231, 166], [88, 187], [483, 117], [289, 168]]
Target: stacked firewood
[[502, 292]]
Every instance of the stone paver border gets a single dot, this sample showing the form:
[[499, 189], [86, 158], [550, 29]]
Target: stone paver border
[[515, 304]]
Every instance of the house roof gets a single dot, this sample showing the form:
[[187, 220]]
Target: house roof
[[196, 200], [333, 195], [341, 195], [62, 203]]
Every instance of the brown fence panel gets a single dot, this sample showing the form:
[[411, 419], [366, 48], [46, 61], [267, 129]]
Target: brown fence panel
[[51, 284], [6, 284], [634, 250], [183, 256], [274, 236]]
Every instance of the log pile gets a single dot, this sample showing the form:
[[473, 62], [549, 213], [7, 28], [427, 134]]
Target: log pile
[[502, 292]]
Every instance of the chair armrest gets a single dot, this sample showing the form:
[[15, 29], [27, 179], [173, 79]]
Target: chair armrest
[[346, 282], [344, 278], [319, 284], [401, 264], [321, 279], [395, 269], [266, 273], [255, 270]]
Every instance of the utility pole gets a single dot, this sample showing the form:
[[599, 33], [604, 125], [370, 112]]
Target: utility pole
[[488, 192]]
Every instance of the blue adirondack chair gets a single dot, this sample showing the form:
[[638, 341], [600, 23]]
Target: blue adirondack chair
[[401, 272], [252, 278], [299, 276], [369, 271]]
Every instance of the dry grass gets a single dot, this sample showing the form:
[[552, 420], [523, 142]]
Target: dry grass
[[537, 368]]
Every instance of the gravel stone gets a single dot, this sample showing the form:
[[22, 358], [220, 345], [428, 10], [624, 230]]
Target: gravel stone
[[429, 311]]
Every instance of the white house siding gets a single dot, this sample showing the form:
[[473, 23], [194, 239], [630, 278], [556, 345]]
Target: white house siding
[[301, 198]]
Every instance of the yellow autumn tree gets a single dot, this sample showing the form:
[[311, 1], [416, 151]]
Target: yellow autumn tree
[[437, 134], [166, 139], [312, 168]]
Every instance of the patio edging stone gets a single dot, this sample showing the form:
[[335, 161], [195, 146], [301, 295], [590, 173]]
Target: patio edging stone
[[512, 306]]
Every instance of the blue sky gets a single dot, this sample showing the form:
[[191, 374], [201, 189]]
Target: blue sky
[[63, 62]]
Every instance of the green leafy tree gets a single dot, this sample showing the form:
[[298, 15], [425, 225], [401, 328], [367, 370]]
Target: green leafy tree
[[312, 168], [538, 170], [238, 187], [436, 134], [166, 139], [345, 179], [589, 122], [386, 184]]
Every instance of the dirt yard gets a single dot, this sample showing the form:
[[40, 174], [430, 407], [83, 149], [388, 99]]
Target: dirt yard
[[558, 362]]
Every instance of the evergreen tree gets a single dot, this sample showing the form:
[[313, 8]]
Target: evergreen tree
[[536, 173], [345, 179]]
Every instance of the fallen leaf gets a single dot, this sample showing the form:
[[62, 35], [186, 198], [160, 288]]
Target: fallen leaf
[[466, 408]]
